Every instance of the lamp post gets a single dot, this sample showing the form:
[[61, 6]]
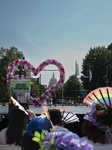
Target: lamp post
[[107, 74]]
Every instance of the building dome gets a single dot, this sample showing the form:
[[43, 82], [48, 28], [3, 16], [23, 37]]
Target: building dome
[[52, 81]]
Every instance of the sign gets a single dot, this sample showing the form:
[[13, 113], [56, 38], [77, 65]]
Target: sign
[[21, 86]]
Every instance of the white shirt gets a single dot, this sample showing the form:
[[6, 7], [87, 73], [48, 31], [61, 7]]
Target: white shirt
[[59, 128], [4, 145], [3, 136]]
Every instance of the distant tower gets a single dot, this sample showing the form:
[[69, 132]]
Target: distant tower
[[52, 81]]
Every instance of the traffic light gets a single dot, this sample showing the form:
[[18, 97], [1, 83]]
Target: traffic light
[[42, 87], [37, 80]]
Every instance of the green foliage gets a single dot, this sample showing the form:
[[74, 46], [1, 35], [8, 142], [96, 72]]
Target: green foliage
[[96, 59], [72, 84], [35, 88], [6, 57], [110, 47]]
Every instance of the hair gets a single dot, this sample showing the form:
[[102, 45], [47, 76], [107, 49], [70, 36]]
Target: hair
[[103, 114], [17, 124], [55, 116], [28, 144]]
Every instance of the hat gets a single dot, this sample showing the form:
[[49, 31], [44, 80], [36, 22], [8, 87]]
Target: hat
[[40, 123]]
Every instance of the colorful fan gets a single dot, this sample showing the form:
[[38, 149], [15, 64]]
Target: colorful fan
[[67, 116], [17, 104], [101, 95]]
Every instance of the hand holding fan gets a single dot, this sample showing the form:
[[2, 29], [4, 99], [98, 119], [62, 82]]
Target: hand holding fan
[[46, 112], [101, 95], [17, 104], [67, 116]]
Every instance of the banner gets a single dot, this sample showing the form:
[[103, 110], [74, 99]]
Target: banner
[[83, 93], [90, 75], [21, 86]]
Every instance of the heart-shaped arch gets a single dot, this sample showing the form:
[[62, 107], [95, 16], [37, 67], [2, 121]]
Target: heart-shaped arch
[[36, 71]]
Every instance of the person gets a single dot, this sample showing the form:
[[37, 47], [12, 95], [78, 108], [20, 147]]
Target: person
[[16, 127], [38, 136], [36, 124], [56, 118], [97, 126], [54, 99]]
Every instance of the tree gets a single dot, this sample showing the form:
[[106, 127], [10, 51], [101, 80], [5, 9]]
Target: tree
[[35, 88], [72, 86], [97, 60], [6, 57], [110, 47]]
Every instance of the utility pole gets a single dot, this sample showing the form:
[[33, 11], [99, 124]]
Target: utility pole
[[40, 83], [107, 75]]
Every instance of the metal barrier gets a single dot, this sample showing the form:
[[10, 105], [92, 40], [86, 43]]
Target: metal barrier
[[76, 100]]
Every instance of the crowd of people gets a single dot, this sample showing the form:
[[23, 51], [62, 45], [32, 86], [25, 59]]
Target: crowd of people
[[31, 132]]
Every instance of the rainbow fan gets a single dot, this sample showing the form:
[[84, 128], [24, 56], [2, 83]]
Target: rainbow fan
[[102, 95]]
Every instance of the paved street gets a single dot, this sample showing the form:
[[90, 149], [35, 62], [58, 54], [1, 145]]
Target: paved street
[[39, 110]]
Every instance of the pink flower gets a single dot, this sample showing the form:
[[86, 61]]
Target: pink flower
[[51, 92], [47, 100], [33, 69], [25, 62], [42, 98], [7, 71], [53, 61], [35, 74], [34, 101], [16, 61], [29, 64], [51, 88], [62, 69], [11, 64]]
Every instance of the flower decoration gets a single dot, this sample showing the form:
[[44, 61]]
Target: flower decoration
[[91, 116], [63, 141], [36, 71]]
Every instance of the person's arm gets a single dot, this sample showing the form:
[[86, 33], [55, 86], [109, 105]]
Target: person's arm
[[31, 113]]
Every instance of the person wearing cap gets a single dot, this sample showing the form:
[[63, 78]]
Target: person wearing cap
[[36, 124]]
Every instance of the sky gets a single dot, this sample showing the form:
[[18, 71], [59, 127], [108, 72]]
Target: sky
[[63, 30]]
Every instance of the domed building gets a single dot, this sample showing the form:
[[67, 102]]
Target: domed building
[[52, 81]]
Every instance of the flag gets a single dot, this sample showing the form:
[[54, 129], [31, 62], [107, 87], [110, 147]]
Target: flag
[[76, 69], [90, 75], [83, 93]]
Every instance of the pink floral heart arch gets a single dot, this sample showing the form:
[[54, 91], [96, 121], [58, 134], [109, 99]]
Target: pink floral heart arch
[[36, 71]]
